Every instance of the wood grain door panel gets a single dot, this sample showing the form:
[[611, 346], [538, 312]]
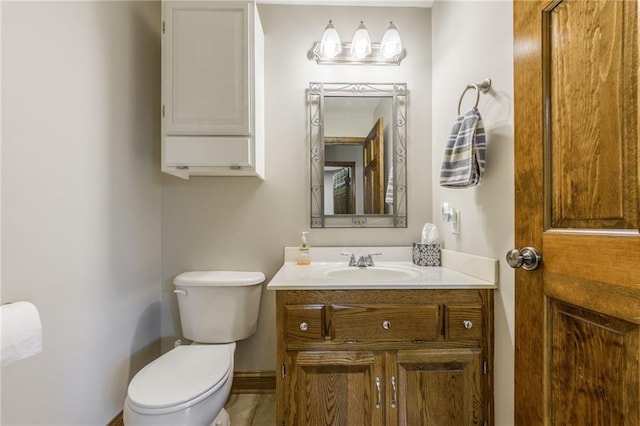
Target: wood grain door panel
[[590, 67], [594, 365], [373, 163], [440, 387], [335, 388]]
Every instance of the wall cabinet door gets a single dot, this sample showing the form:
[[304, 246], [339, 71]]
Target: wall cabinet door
[[338, 388], [206, 69], [439, 387]]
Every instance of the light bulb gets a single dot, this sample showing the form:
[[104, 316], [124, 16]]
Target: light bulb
[[361, 43], [330, 44], [391, 45]]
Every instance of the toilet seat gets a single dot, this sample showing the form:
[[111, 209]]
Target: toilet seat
[[180, 378]]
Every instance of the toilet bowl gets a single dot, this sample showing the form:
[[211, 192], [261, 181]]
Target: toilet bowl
[[189, 385]]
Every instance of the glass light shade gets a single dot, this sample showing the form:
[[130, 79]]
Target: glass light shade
[[361, 43], [391, 45], [330, 44]]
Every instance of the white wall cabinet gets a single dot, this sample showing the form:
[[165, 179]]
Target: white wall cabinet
[[212, 89]]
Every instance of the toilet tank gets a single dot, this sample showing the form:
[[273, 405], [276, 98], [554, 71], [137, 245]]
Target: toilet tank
[[218, 306]]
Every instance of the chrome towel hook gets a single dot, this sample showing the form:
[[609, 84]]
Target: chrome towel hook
[[483, 87]]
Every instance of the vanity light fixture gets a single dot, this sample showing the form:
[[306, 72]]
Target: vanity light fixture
[[360, 51], [361, 43], [391, 45], [330, 45]]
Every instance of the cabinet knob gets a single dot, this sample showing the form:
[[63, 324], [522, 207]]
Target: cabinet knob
[[467, 324], [304, 326], [386, 325]]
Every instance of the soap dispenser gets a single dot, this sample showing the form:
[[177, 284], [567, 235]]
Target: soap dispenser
[[304, 258]]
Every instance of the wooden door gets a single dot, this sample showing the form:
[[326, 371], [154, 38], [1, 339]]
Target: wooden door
[[437, 387], [374, 170], [577, 332], [334, 388]]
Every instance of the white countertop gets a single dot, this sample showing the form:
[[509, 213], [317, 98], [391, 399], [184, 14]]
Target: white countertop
[[458, 271]]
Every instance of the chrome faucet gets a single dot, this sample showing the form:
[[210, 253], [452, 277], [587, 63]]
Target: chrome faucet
[[363, 261], [352, 258]]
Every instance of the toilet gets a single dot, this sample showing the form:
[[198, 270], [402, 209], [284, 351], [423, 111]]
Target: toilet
[[189, 385]]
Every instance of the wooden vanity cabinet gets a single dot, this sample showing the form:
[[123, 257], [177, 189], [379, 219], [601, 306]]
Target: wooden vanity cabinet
[[385, 357]]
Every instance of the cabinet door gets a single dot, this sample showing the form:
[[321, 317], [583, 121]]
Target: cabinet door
[[335, 388], [202, 151], [206, 89], [439, 387]]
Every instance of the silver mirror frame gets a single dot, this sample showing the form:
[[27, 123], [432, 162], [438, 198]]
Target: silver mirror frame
[[399, 94]]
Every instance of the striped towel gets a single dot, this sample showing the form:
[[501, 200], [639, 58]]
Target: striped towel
[[463, 163]]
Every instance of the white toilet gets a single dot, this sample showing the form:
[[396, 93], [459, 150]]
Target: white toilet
[[189, 385]]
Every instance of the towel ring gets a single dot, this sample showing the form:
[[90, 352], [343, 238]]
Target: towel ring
[[483, 87]]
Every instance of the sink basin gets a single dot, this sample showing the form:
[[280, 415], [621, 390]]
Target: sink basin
[[372, 274]]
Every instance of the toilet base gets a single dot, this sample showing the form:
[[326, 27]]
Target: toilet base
[[222, 419]]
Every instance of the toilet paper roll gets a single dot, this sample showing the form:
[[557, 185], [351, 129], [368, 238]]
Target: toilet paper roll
[[20, 331]]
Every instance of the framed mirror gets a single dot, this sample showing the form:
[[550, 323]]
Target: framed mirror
[[358, 139]]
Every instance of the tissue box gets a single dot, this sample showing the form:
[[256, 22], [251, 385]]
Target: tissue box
[[426, 254]]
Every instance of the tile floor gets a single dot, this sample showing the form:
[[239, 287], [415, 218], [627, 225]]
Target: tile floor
[[252, 409]]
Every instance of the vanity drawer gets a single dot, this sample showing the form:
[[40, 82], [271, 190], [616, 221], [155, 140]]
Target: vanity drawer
[[379, 323], [464, 322], [304, 322]]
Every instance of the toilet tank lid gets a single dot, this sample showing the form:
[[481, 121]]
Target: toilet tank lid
[[219, 278]]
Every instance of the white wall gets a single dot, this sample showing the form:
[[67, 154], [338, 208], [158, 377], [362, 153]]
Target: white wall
[[473, 41], [242, 223], [81, 202]]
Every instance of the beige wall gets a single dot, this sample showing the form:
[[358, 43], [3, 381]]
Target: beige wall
[[80, 202], [242, 223], [473, 41]]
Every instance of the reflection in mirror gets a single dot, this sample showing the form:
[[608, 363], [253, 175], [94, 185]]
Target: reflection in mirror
[[358, 155], [340, 187]]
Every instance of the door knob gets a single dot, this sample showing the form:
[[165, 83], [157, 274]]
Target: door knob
[[528, 258]]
